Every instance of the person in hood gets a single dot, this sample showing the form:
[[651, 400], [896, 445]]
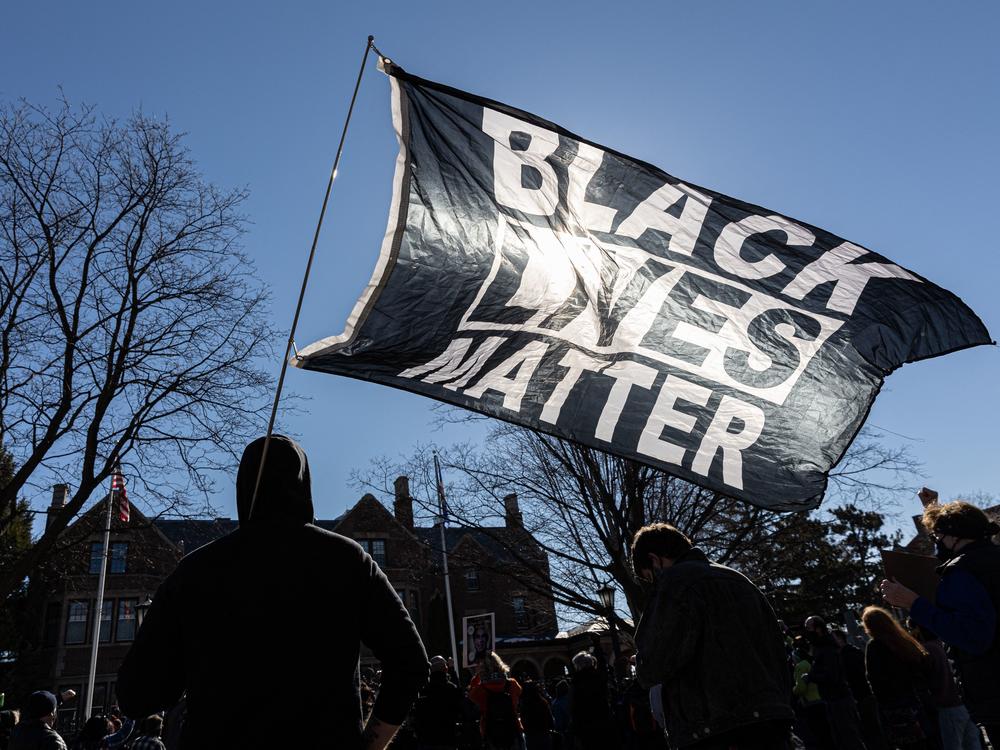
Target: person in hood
[[964, 613], [713, 641], [279, 603]]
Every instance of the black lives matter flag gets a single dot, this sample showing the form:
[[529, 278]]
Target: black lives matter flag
[[542, 279]]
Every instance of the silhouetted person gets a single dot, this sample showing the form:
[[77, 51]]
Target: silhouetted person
[[711, 638], [35, 732], [965, 612], [279, 603], [829, 674], [898, 669], [439, 712], [589, 706]]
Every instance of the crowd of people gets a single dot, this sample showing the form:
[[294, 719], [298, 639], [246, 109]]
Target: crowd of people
[[714, 668]]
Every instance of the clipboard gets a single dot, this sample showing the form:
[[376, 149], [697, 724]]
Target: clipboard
[[916, 572]]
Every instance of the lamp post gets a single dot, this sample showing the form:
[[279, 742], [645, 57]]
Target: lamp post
[[140, 610], [607, 596]]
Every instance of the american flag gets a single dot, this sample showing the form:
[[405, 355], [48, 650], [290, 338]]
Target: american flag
[[118, 483]]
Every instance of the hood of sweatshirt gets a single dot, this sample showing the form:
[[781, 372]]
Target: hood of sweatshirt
[[285, 493]]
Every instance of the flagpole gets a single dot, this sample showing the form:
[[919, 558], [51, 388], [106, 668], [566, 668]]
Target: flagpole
[[443, 512], [99, 608], [305, 278]]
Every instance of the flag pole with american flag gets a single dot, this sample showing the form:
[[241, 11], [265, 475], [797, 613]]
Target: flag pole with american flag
[[117, 498]]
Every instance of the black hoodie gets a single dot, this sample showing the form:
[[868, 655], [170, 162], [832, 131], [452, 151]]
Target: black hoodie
[[262, 628]]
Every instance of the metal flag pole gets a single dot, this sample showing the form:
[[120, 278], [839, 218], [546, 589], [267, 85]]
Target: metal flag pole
[[99, 607], [443, 514], [305, 278]]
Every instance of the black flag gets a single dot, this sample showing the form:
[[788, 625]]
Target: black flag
[[534, 276]]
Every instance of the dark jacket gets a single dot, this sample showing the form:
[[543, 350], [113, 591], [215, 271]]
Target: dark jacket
[[34, 735], [590, 708], [966, 616], [438, 712], [828, 670], [896, 683], [713, 641], [281, 605], [853, 660]]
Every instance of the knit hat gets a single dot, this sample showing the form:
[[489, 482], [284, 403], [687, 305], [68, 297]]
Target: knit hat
[[39, 705]]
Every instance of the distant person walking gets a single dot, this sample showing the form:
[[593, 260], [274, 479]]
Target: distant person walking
[[278, 602], [711, 638], [965, 612]]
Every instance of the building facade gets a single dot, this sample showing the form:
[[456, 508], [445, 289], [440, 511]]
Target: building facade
[[499, 569]]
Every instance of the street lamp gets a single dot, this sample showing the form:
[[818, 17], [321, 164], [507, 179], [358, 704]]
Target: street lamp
[[140, 610], [607, 596]]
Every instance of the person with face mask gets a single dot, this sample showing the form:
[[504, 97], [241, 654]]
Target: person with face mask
[[711, 638], [965, 610]]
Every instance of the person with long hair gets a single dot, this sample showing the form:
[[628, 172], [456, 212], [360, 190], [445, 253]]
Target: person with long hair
[[897, 666]]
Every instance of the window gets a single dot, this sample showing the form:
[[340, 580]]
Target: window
[[375, 548], [118, 552], [100, 698], [95, 558], [125, 629], [472, 579], [50, 630], [76, 622], [520, 614], [107, 615]]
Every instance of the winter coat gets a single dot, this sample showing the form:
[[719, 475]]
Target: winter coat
[[711, 638], [966, 616], [35, 735], [278, 602], [438, 712]]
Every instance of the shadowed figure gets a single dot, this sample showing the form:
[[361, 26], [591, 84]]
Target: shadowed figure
[[278, 607]]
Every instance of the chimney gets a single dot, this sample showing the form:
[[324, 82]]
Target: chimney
[[402, 506], [60, 494], [512, 512]]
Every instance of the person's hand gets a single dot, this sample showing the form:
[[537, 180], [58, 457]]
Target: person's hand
[[927, 496], [68, 695], [897, 594]]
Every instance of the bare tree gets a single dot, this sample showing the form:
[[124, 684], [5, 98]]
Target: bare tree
[[584, 506], [131, 326]]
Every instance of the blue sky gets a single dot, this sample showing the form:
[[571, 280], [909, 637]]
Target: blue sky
[[876, 121]]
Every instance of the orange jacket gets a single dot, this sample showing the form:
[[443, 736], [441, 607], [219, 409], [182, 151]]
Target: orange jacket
[[478, 694]]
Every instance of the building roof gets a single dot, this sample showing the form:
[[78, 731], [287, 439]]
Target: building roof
[[496, 540]]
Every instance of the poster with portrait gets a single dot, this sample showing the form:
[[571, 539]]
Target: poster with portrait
[[478, 638]]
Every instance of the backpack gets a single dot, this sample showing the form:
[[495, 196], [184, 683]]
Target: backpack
[[500, 722]]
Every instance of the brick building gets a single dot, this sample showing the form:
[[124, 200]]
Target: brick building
[[488, 566]]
